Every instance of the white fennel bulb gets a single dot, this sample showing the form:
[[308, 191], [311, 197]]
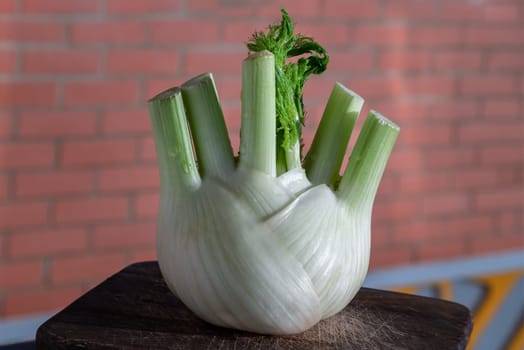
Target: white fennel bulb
[[261, 243]]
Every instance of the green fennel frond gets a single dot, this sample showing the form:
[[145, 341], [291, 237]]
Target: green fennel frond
[[290, 75]]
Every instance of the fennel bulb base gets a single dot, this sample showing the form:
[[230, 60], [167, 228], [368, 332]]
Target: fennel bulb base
[[237, 263]]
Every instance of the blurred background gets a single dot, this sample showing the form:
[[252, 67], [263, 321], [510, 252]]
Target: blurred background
[[78, 176]]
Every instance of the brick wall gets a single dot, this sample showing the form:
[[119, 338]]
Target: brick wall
[[78, 178]]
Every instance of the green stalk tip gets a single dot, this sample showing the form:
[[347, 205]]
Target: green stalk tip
[[323, 161], [367, 162], [174, 148], [206, 119], [257, 133]]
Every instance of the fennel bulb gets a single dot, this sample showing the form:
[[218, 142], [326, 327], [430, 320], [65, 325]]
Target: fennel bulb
[[260, 243]]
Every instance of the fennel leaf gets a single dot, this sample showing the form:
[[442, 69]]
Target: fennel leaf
[[290, 76]]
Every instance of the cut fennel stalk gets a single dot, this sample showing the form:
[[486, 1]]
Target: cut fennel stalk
[[263, 244]]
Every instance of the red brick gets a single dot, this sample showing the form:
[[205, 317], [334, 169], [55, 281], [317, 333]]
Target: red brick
[[229, 88], [491, 131], [176, 32], [510, 221], [235, 9], [425, 135], [307, 138], [232, 113], [48, 242], [405, 60], [126, 122], [496, 243], [445, 203], [296, 9], [502, 12], [8, 6], [348, 61], [31, 31], [429, 85], [501, 155], [412, 231], [203, 5], [497, 107], [42, 300], [108, 32], [458, 60], [157, 85], [129, 178], [353, 9], [474, 178], [15, 215], [509, 36], [379, 34], [512, 176], [436, 35], [98, 152], [444, 158], [327, 34], [91, 209], [409, 9], [198, 61], [387, 187], [142, 61], [443, 250], [59, 7], [26, 94], [488, 85], [3, 243], [61, 62], [380, 233], [227, 9], [56, 123], [453, 109], [20, 274], [395, 209], [469, 225], [388, 256], [506, 60], [147, 149], [4, 188], [500, 198], [413, 184], [126, 235], [6, 122], [240, 32], [462, 11], [7, 61], [369, 87], [146, 205], [141, 7], [85, 268], [144, 254], [403, 111], [55, 183], [101, 93], [405, 160], [26, 155], [317, 90]]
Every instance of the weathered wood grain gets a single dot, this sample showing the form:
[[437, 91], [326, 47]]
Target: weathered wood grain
[[134, 309]]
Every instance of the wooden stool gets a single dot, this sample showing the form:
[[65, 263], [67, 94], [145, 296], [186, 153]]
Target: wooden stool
[[134, 309]]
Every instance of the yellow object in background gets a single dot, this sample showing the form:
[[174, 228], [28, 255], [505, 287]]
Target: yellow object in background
[[496, 302]]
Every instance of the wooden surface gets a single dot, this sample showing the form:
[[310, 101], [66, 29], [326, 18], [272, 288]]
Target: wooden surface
[[135, 310]]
